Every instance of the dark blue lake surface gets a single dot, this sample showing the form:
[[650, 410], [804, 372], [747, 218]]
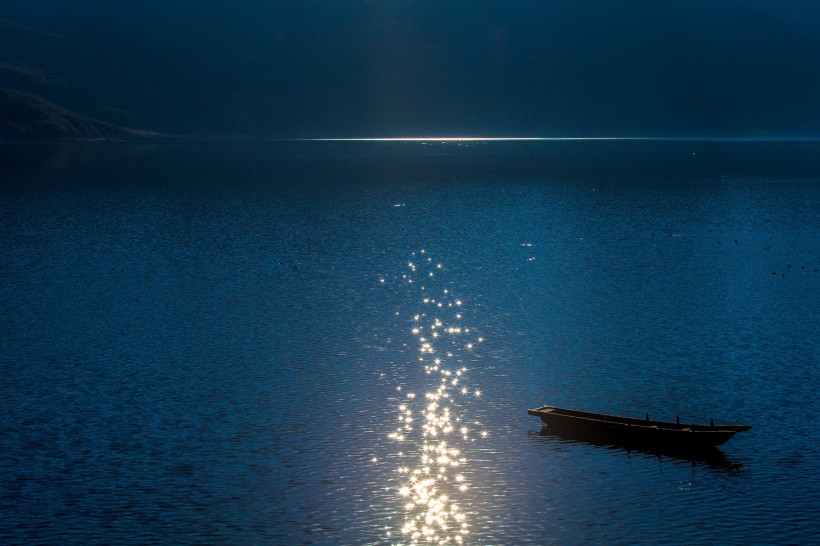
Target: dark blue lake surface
[[211, 344]]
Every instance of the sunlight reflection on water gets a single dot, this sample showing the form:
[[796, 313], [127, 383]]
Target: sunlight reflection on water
[[434, 430]]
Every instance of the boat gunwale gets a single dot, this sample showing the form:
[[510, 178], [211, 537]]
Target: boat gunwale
[[603, 418]]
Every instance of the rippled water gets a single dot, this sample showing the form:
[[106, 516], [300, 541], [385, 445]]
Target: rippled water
[[228, 365]]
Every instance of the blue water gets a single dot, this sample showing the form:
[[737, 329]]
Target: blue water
[[205, 344]]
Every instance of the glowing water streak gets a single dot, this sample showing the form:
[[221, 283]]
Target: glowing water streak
[[439, 139], [431, 429]]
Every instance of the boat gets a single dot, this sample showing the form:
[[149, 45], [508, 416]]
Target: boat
[[636, 432]]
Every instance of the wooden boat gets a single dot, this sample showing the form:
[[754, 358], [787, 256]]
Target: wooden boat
[[637, 432]]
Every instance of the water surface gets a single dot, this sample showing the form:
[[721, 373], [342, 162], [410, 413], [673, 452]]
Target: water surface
[[189, 357]]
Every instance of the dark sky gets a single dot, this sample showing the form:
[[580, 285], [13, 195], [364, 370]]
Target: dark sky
[[341, 68]]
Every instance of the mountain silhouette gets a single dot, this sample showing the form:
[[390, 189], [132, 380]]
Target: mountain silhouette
[[38, 103]]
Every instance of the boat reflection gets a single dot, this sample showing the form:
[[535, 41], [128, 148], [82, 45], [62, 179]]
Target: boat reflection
[[713, 457]]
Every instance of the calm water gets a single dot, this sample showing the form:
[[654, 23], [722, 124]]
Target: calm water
[[211, 345]]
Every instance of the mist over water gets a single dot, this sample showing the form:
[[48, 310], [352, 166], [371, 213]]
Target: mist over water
[[198, 346]]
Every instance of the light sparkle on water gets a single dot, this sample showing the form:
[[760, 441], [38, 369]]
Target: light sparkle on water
[[430, 479]]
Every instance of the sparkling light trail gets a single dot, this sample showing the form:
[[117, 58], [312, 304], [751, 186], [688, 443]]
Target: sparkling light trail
[[430, 481]]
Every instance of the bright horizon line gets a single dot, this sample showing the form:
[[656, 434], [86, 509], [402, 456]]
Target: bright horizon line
[[440, 139]]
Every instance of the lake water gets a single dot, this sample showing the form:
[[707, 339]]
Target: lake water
[[215, 343]]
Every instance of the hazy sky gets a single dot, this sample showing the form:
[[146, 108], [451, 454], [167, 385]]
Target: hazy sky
[[384, 68]]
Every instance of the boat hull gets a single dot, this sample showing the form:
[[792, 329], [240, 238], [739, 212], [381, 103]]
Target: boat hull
[[634, 432]]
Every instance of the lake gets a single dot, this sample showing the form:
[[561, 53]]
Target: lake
[[337, 343]]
